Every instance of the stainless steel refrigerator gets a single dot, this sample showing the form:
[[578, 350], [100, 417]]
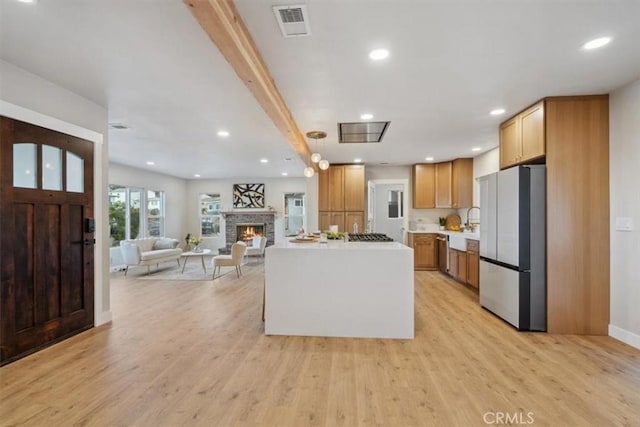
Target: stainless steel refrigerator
[[512, 246]]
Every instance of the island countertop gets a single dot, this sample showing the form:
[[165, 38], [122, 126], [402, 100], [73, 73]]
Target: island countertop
[[340, 245]]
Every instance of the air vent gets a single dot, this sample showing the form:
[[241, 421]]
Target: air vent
[[363, 132], [118, 126], [293, 20]]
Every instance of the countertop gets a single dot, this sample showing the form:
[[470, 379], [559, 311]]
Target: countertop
[[464, 234], [339, 245]]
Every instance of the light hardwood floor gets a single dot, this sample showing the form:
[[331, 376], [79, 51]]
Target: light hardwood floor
[[194, 353]]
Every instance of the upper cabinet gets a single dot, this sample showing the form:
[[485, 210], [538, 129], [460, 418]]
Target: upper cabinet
[[354, 188], [341, 196], [522, 138], [424, 186], [443, 185]]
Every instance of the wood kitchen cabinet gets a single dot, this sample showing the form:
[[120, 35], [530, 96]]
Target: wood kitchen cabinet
[[425, 251], [453, 262], [458, 265], [473, 263], [443, 185], [462, 183], [424, 186], [341, 196], [354, 186], [442, 253], [522, 138]]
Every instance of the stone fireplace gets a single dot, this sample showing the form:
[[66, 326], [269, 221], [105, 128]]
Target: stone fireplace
[[243, 225]]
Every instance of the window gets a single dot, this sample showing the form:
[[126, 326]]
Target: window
[[134, 212], [396, 209], [155, 213], [210, 214]]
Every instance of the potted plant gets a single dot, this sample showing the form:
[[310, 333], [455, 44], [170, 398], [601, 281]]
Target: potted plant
[[195, 241], [443, 222]]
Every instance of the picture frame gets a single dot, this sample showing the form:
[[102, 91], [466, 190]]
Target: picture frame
[[248, 196]]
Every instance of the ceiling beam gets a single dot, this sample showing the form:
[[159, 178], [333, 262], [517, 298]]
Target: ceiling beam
[[221, 21]]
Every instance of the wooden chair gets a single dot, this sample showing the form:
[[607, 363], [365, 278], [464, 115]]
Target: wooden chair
[[234, 260]]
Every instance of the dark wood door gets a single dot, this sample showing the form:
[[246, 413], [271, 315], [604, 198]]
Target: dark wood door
[[46, 237]]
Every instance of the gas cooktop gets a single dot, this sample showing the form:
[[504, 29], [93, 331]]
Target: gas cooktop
[[369, 237]]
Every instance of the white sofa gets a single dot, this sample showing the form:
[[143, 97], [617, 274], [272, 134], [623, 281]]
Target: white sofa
[[148, 251]]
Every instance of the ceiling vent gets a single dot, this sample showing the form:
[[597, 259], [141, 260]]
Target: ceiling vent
[[363, 132], [118, 126], [293, 20]]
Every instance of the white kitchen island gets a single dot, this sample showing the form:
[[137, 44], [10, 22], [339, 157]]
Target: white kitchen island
[[338, 289]]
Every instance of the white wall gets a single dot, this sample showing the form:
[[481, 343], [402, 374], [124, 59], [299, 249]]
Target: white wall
[[175, 193], [274, 190], [624, 158], [27, 97]]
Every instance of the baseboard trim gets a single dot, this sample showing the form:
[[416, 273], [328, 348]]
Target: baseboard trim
[[625, 336], [102, 318]]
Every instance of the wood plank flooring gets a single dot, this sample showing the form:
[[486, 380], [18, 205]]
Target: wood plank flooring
[[194, 353]]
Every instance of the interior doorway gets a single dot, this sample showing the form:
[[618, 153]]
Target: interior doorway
[[387, 207], [47, 237]]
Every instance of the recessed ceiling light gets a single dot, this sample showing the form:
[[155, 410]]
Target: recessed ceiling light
[[596, 43], [150, 163], [429, 159], [196, 175], [497, 111], [476, 149], [264, 160], [27, 1], [357, 160], [378, 54], [366, 116], [284, 174], [223, 133]]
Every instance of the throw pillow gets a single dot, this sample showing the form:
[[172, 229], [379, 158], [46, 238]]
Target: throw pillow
[[165, 244]]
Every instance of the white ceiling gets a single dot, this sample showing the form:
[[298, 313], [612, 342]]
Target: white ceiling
[[452, 61]]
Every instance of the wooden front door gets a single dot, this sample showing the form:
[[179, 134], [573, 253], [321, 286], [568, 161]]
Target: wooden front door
[[46, 237]]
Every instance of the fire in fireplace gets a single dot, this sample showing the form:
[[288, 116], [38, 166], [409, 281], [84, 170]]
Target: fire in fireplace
[[246, 232]]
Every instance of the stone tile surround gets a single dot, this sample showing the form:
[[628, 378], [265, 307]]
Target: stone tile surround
[[232, 218]]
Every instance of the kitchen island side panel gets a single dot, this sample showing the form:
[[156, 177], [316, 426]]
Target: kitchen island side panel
[[344, 290]]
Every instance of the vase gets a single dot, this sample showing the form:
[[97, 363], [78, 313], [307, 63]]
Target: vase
[[196, 248]]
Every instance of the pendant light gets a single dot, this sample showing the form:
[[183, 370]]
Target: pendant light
[[316, 157]]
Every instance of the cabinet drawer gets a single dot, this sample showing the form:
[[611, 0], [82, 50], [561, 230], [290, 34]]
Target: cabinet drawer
[[473, 245]]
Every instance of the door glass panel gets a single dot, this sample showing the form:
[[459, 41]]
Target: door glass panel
[[294, 213], [24, 166], [75, 173], [396, 209], [51, 168]]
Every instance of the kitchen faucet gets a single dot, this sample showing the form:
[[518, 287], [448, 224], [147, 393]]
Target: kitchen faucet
[[468, 223]]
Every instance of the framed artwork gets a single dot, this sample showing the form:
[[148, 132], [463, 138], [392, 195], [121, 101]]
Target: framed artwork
[[248, 195]]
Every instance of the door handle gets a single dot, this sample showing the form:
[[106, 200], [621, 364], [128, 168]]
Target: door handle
[[89, 242]]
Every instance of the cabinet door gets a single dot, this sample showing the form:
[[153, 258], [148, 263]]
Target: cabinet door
[[462, 267], [324, 218], [443, 185], [337, 218], [442, 254], [510, 143], [354, 187], [424, 186], [473, 269], [532, 131], [336, 188], [453, 262], [323, 191], [354, 217], [462, 183], [424, 251]]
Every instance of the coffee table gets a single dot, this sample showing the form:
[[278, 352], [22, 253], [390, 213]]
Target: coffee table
[[201, 254]]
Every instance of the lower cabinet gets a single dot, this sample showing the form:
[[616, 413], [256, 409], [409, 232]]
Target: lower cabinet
[[425, 251], [473, 263], [465, 266]]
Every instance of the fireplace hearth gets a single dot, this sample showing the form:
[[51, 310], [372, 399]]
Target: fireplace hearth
[[234, 220]]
